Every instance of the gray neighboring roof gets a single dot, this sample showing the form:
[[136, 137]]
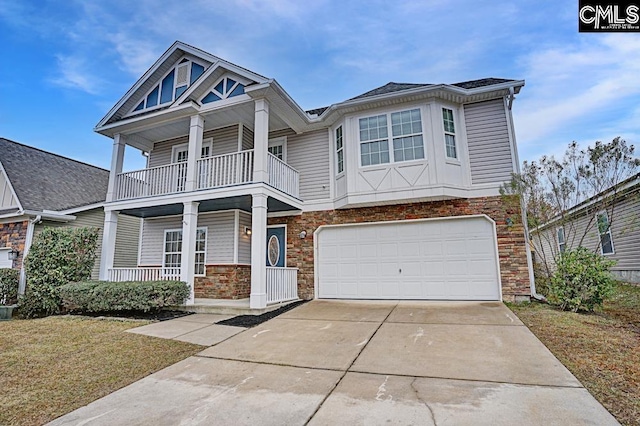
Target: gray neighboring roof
[[389, 88], [472, 84], [47, 181]]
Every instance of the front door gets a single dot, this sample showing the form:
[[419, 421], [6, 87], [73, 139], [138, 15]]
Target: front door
[[276, 246]]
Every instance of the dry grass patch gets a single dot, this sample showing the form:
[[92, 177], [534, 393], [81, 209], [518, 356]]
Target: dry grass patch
[[602, 350], [51, 366]]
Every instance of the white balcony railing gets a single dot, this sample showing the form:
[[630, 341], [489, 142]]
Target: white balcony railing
[[282, 284], [144, 274], [282, 176], [224, 170], [213, 172], [160, 180]]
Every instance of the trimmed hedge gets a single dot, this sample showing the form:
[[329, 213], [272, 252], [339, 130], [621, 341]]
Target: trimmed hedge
[[105, 296], [9, 279]]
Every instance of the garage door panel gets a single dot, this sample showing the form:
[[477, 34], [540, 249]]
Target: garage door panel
[[434, 259]]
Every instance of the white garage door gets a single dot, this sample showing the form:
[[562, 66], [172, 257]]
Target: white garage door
[[446, 259]]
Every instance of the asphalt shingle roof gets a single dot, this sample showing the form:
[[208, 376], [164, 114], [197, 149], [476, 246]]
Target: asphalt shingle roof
[[47, 181]]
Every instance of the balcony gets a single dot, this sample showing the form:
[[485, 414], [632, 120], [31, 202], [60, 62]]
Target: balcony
[[212, 172]]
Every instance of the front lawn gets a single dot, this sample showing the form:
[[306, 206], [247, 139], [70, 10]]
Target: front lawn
[[51, 366], [602, 350]]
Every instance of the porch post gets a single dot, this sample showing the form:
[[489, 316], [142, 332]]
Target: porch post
[[188, 258], [108, 243], [196, 129], [258, 252], [117, 158], [261, 141]]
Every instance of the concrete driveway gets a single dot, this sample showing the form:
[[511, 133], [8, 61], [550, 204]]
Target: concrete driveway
[[369, 363]]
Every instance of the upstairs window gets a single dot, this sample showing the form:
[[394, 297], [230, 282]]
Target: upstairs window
[[172, 85], [449, 133], [278, 148], [339, 150], [604, 229], [225, 88], [406, 135], [562, 244]]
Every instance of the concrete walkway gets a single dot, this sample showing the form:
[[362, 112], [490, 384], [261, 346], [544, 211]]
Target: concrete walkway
[[333, 362]]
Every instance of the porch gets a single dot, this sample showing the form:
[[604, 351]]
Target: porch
[[219, 171], [281, 284]]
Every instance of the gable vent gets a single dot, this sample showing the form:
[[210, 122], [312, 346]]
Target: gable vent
[[182, 74]]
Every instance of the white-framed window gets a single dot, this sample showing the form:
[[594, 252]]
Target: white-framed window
[[278, 147], [449, 133], [226, 87], [562, 243], [604, 229], [406, 136], [180, 153], [172, 252], [339, 150], [173, 84]]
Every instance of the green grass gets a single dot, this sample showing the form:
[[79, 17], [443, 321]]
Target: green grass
[[51, 366], [602, 350]]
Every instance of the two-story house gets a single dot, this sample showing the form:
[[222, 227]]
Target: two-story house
[[393, 194]]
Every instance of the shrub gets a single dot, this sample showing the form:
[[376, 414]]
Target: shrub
[[105, 296], [581, 281], [57, 256], [9, 279]]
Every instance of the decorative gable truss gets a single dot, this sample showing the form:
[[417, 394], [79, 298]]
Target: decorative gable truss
[[226, 87], [172, 85]]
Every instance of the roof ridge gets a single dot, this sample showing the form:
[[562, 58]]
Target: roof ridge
[[54, 154]]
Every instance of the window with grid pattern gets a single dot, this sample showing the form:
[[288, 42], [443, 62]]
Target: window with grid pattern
[[374, 147], [449, 133], [406, 128], [606, 240], [339, 150], [173, 250]]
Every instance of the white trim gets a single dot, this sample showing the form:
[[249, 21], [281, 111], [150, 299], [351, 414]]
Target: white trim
[[164, 246], [236, 235], [283, 225], [333, 163], [433, 219], [333, 149], [445, 132], [140, 235], [512, 137], [564, 238], [240, 136], [13, 192], [76, 209], [207, 142]]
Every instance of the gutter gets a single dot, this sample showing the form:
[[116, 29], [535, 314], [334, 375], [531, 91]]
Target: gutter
[[22, 285]]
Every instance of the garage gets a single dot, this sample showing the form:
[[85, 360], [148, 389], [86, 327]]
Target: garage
[[431, 259]]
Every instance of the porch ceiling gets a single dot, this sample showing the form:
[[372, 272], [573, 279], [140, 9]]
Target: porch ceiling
[[143, 137], [242, 202]]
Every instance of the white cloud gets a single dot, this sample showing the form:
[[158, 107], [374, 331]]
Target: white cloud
[[73, 74]]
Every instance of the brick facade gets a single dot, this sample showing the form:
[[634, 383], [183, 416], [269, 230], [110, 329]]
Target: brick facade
[[510, 234], [14, 235], [224, 282]]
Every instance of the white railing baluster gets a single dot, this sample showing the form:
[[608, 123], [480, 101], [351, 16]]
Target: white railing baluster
[[144, 274], [282, 176], [282, 284]]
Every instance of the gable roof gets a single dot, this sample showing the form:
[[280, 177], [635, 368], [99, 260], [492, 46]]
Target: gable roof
[[46, 181]]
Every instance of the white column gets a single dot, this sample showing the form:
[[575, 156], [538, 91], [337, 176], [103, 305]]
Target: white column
[[261, 141], [187, 264], [117, 158], [108, 243], [196, 128], [258, 252]]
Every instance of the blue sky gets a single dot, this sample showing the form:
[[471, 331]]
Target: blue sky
[[65, 63]]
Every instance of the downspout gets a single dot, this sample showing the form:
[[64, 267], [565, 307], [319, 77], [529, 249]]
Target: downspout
[[523, 209], [27, 244]]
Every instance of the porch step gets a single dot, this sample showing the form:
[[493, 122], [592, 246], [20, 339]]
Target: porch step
[[228, 307]]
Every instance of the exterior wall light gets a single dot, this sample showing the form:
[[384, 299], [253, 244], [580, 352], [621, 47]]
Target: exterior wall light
[[13, 254], [303, 235], [247, 230]]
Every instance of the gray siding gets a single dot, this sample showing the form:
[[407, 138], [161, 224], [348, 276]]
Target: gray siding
[[7, 200], [280, 133], [126, 254], [244, 241], [309, 154], [225, 141], [488, 140], [247, 138], [625, 232], [220, 236]]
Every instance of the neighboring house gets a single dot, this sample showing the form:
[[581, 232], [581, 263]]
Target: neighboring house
[[40, 189], [607, 223], [393, 194]]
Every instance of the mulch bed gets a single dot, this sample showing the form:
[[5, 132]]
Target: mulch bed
[[253, 320], [161, 315]]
